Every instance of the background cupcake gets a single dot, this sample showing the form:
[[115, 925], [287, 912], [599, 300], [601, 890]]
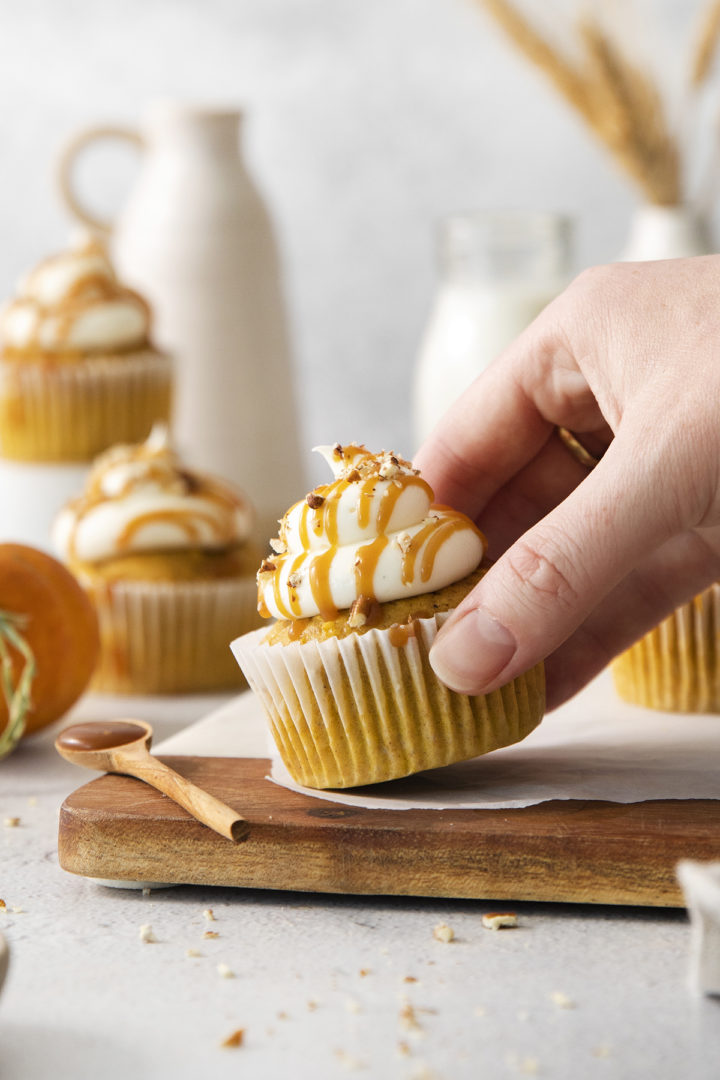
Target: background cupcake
[[366, 571], [165, 554], [78, 372], [676, 666]]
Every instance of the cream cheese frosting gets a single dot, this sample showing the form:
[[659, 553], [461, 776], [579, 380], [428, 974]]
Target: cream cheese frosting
[[373, 533], [142, 499], [74, 302]]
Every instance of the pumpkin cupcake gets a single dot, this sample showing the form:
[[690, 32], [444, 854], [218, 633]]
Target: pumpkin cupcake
[[365, 573], [165, 554], [676, 667], [78, 371]]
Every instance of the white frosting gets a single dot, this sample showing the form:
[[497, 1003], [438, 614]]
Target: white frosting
[[140, 499], [395, 508], [73, 301]]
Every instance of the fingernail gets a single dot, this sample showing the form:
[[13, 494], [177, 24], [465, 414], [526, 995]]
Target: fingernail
[[468, 655]]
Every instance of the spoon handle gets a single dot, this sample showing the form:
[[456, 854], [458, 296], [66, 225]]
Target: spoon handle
[[205, 807]]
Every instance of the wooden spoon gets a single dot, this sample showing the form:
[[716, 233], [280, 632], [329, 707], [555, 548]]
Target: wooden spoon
[[122, 746]]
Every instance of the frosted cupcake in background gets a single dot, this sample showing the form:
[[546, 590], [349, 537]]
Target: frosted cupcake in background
[[78, 371], [366, 571], [166, 555], [676, 667]]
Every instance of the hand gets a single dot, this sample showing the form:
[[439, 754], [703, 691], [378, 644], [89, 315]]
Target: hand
[[628, 358]]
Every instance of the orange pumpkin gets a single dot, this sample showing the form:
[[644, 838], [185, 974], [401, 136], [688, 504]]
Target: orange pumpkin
[[58, 626]]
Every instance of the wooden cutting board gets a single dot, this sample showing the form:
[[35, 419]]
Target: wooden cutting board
[[117, 828]]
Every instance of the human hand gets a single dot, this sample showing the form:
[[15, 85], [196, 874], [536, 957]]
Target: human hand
[[628, 358]]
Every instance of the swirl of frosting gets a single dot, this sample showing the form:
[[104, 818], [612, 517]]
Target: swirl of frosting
[[142, 499], [74, 302], [373, 533]]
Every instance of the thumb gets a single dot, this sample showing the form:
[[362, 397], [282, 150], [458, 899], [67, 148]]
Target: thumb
[[546, 584]]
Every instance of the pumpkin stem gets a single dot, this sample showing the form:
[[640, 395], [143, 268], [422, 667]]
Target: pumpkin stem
[[17, 695]]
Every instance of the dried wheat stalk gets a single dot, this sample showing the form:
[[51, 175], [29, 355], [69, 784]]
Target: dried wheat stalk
[[618, 102], [707, 45]]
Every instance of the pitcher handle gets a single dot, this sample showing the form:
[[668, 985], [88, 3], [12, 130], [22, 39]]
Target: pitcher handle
[[65, 167]]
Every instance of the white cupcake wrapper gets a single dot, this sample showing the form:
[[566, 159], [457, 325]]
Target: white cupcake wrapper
[[359, 709], [171, 637], [76, 410], [676, 666]]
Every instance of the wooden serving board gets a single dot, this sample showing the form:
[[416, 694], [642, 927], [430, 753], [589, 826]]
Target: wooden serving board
[[117, 828]]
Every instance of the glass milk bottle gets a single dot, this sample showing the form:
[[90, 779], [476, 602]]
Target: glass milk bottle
[[497, 272]]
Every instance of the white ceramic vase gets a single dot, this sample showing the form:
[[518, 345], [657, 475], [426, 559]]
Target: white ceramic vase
[[666, 232], [196, 239]]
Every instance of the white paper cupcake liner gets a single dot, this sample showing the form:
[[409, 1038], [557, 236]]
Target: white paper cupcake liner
[[74, 411], [171, 637], [360, 709], [676, 667]]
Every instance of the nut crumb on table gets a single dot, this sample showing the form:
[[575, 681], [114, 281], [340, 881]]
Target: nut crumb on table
[[235, 1039], [499, 920], [443, 932], [562, 1000], [146, 934], [225, 971], [12, 822]]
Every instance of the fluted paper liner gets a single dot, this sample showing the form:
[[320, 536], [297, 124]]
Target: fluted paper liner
[[74, 411], [171, 637], [677, 665], [360, 710]]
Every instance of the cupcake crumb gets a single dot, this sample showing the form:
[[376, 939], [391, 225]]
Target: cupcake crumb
[[499, 920], [225, 971], [192, 952], [209, 914], [147, 935], [443, 932], [562, 1000], [235, 1039], [12, 822], [211, 934]]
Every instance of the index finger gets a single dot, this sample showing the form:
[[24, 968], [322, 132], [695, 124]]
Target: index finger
[[504, 418]]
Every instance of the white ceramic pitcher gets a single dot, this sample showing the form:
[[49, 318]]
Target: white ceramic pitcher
[[196, 239]]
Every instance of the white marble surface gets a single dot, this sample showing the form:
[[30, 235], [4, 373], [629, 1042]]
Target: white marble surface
[[86, 997]]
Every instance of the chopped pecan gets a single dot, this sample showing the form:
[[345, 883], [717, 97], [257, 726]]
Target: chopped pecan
[[267, 567], [365, 611], [314, 501]]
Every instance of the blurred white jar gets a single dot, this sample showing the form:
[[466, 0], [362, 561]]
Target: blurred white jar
[[498, 270]]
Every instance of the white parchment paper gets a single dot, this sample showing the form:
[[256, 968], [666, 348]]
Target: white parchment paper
[[593, 747]]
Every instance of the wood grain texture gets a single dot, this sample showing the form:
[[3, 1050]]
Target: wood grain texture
[[582, 852]]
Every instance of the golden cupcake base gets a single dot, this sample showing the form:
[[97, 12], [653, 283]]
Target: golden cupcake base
[[369, 708], [676, 667], [170, 637], [74, 411]]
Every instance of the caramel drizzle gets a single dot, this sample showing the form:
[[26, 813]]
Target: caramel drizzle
[[427, 541], [84, 293], [188, 525], [226, 501]]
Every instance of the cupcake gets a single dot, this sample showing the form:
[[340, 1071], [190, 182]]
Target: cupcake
[[165, 554], [78, 372], [676, 667], [364, 574]]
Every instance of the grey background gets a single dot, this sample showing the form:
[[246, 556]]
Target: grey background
[[367, 121]]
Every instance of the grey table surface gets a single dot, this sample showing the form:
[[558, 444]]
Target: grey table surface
[[322, 986]]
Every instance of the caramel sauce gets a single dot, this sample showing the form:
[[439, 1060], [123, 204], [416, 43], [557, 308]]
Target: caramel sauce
[[296, 627], [320, 583], [294, 599], [324, 519], [400, 633], [368, 557], [160, 467], [152, 517], [96, 735]]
